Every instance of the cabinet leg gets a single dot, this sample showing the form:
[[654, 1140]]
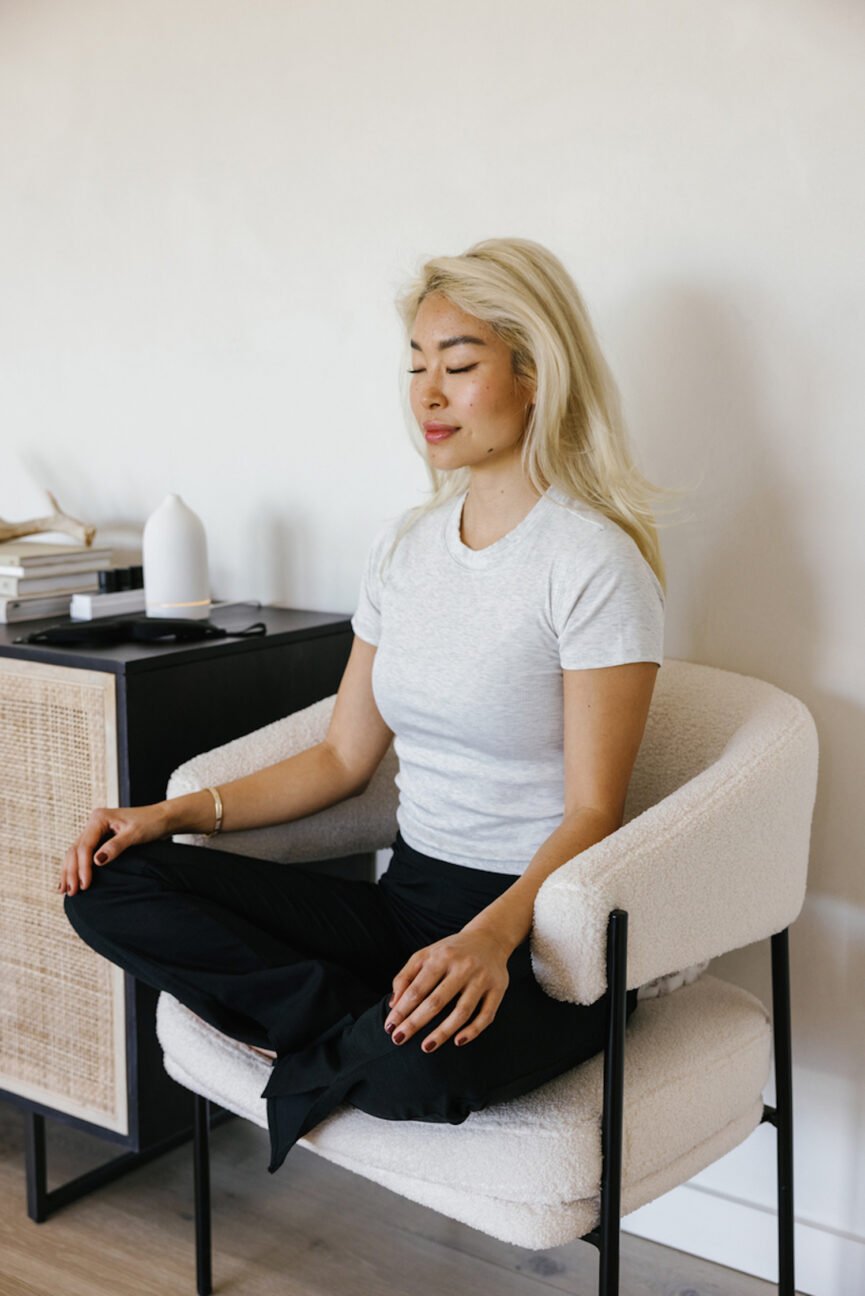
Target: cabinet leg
[[34, 1156], [41, 1203]]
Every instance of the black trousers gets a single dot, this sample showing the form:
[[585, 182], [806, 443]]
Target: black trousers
[[301, 962]]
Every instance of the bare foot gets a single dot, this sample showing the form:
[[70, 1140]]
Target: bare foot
[[268, 1053]]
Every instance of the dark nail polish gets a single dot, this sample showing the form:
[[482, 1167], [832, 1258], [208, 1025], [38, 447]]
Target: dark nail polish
[[398, 1037]]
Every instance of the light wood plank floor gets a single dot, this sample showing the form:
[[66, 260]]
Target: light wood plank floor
[[312, 1229]]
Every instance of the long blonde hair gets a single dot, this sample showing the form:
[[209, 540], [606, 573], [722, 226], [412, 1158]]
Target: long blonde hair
[[575, 437]]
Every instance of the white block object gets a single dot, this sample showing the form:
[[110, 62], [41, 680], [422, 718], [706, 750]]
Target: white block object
[[88, 607], [176, 582]]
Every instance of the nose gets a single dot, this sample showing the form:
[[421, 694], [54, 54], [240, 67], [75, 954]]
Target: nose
[[431, 396]]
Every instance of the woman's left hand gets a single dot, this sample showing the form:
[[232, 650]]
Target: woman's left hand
[[470, 964]]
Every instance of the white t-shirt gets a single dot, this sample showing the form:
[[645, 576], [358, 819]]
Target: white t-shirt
[[468, 672]]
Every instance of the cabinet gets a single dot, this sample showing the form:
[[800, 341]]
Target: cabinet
[[87, 726]]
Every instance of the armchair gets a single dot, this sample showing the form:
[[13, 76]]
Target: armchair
[[712, 856]]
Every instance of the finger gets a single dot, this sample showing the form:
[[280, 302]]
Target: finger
[[72, 870], [99, 848], [110, 849], [77, 865], [64, 871], [483, 1019], [92, 835], [463, 1010], [480, 1021], [425, 978], [432, 997], [406, 975], [84, 856]]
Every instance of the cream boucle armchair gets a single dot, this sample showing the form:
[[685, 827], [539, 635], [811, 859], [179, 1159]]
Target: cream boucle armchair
[[712, 856]]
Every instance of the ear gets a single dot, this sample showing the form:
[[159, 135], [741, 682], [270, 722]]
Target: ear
[[527, 389]]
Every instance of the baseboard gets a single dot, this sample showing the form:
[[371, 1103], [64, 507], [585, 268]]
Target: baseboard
[[744, 1236]]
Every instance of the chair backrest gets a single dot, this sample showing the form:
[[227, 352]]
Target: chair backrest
[[701, 715], [713, 853]]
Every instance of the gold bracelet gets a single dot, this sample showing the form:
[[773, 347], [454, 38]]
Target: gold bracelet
[[217, 801]]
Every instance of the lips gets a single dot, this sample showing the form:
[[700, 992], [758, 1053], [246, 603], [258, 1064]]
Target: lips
[[438, 431]]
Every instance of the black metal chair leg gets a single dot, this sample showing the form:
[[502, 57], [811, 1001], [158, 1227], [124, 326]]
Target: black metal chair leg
[[607, 1236], [614, 1087], [783, 1050], [37, 1173], [201, 1163]]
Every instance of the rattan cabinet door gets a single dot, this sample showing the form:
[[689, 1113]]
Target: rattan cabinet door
[[62, 1009]]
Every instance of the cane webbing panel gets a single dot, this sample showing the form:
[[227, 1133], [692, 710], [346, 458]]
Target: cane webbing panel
[[62, 1012]]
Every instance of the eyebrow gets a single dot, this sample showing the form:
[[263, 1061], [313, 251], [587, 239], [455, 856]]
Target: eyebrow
[[463, 339]]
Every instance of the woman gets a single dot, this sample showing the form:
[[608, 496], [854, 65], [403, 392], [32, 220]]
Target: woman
[[507, 639]]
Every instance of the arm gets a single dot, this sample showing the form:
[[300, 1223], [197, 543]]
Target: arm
[[605, 712], [339, 766]]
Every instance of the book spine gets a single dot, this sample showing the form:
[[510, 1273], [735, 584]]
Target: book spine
[[52, 558], [31, 609], [42, 570], [22, 586]]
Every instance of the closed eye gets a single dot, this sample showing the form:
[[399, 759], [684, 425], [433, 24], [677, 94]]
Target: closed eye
[[465, 369]]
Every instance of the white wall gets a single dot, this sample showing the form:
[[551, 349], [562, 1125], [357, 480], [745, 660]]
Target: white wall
[[206, 208]]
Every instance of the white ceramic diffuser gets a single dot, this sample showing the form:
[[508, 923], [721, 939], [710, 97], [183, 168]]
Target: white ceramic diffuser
[[176, 582]]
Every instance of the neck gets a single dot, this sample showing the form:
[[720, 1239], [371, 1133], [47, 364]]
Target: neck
[[495, 499], [493, 508]]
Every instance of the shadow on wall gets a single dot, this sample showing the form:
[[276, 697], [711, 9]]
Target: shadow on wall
[[725, 390]]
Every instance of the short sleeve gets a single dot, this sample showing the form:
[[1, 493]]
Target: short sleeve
[[612, 613], [366, 622]]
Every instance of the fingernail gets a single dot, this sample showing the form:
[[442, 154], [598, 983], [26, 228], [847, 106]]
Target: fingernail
[[428, 1048], [398, 1037], [101, 857], [389, 1027]]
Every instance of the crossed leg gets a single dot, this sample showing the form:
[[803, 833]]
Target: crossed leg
[[298, 965]]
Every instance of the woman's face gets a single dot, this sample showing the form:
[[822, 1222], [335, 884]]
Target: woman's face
[[467, 401]]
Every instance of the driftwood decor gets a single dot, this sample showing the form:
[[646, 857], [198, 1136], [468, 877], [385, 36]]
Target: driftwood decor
[[56, 521]]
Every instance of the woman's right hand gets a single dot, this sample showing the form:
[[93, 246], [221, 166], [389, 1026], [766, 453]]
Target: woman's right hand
[[106, 835]]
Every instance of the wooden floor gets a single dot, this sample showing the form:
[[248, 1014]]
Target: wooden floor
[[312, 1229]]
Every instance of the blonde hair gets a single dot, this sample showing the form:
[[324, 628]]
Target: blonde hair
[[575, 437]]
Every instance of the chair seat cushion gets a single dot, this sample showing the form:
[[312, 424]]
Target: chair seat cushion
[[528, 1171]]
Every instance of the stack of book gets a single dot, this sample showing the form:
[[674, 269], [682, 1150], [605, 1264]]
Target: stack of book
[[38, 579]]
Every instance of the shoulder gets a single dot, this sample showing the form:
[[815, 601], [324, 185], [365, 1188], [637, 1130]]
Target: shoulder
[[402, 537], [416, 528], [591, 547], [386, 530]]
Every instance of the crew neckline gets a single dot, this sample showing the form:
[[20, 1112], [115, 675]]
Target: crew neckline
[[490, 554]]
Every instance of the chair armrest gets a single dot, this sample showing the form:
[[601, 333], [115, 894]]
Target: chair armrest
[[362, 823], [718, 864]]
